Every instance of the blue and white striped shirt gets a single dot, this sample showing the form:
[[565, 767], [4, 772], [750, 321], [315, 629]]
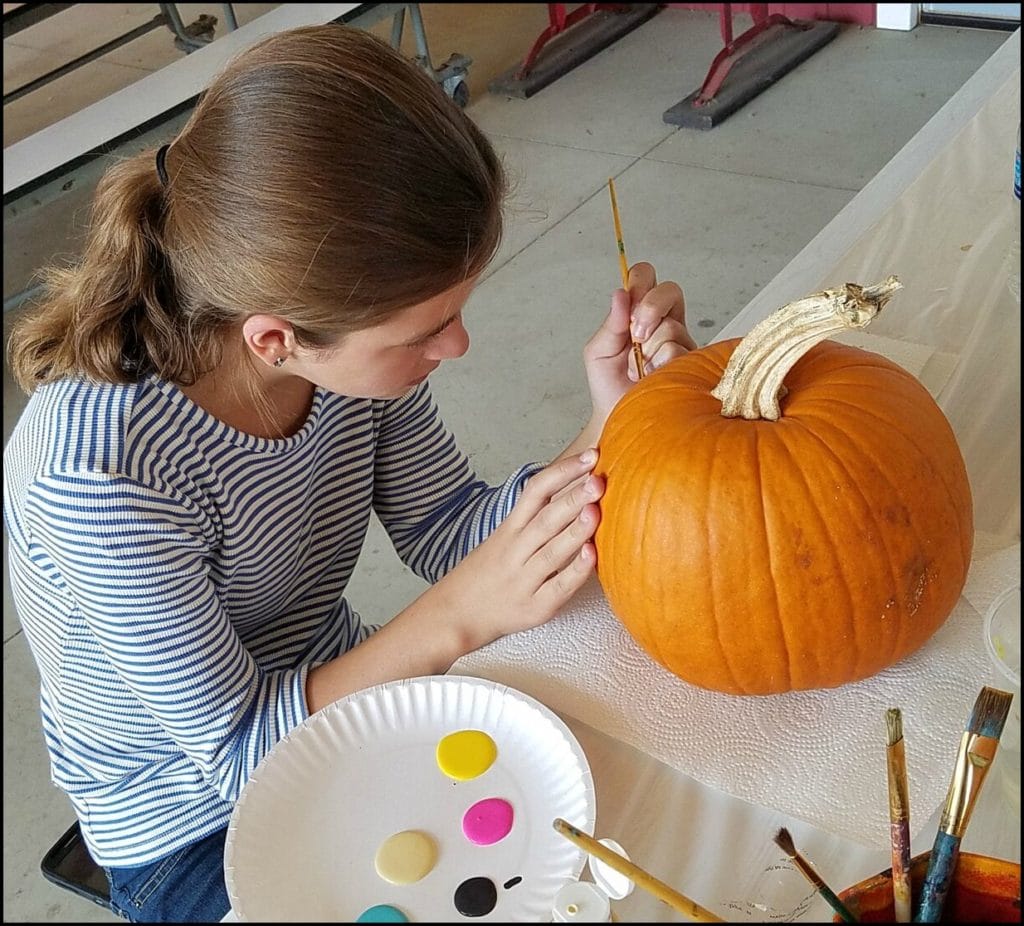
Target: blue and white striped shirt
[[176, 579]]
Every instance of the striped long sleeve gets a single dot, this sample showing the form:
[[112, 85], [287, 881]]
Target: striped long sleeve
[[433, 507], [177, 579]]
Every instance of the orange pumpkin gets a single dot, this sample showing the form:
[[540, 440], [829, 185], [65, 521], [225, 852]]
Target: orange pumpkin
[[756, 556]]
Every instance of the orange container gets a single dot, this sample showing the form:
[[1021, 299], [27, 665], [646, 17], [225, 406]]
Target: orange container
[[984, 890]]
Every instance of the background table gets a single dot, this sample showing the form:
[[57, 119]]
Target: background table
[[940, 216]]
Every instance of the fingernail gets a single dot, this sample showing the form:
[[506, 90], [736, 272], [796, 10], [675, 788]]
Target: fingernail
[[588, 457], [639, 330]]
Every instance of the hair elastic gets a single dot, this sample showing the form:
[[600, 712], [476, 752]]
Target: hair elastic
[[161, 165]]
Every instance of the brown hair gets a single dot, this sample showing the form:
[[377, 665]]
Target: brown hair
[[322, 178]]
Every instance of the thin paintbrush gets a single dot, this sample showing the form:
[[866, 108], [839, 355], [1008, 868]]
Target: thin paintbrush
[[635, 873], [785, 842], [899, 814], [638, 354], [977, 750]]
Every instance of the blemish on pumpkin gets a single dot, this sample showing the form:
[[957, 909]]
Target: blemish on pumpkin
[[918, 573], [897, 514], [804, 560]]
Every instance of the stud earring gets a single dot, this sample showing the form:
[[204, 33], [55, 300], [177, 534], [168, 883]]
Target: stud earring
[[279, 362]]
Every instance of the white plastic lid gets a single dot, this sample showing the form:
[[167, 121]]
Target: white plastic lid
[[615, 884], [581, 902]]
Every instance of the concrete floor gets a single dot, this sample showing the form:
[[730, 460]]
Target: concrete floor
[[721, 212]]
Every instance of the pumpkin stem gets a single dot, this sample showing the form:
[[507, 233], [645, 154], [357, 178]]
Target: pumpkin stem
[[752, 383]]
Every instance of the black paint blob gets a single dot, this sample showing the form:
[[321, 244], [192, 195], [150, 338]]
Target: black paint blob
[[512, 882], [476, 897]]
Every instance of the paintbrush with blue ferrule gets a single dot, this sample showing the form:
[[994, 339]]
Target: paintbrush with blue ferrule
[[977, 750]]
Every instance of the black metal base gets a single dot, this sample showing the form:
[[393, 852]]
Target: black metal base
[[571, 48], [780, 49]]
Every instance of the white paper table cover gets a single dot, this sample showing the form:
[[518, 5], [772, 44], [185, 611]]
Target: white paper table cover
[[939, 216]]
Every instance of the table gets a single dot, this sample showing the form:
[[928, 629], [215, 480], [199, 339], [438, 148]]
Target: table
[[940, 215]]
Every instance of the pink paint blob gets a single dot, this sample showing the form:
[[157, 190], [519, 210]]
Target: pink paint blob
[[488, 821]]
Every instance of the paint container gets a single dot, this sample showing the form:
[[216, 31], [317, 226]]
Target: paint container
[[1002, 642], [983, 890], [590, 902]]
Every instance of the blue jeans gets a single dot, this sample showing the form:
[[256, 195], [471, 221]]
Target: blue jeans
[[185, 887]]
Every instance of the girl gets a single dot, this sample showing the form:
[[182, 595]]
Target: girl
[[222, 389]]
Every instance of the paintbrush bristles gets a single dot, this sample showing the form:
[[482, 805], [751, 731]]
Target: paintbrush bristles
[[990, 712], [894, 725], [785, 842]]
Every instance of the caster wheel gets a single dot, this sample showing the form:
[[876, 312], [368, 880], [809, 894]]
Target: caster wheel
[[458, 90]]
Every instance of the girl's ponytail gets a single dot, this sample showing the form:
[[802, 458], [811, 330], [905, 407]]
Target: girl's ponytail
[[110, 316]]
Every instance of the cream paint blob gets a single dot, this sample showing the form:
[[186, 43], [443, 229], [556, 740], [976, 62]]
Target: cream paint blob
[[488, 821], [466, 754], [406, 857]]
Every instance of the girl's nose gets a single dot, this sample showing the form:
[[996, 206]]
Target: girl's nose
[[451, 343]]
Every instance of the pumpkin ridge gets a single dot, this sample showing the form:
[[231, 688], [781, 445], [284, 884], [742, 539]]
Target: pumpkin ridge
[[647, 634], [831, 548], [878, 372], [906, 614], [737, 683], [882, 534], [965, 555], [849, 356], [766, 541], [675, 387]]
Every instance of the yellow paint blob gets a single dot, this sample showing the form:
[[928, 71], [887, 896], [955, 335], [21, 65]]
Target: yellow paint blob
[[466, 754], [406, 857]]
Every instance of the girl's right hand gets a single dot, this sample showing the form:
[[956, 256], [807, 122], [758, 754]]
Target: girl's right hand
[[536, 559]]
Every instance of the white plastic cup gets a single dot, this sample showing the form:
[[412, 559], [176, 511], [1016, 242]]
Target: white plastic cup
[[581, 902], [1002, 641]]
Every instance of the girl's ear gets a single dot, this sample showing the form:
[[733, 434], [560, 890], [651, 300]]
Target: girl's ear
[[270, 338]]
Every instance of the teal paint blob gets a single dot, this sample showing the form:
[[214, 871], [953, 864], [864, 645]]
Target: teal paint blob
[[382, 913]]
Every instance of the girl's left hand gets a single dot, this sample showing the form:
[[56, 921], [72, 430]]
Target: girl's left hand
[[658, 324]]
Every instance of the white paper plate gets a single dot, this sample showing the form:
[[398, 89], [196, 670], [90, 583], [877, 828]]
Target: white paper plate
[[304, 833]]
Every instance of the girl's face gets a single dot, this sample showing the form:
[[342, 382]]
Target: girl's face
[[392, 358]]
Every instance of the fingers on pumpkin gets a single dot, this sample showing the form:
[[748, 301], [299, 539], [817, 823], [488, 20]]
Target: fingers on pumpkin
[[564, 547], [567, 510], [549, 482], [562, 584]]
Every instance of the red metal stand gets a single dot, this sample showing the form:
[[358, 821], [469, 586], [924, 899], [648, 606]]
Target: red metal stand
[[749, 64], [734, 50], [560, 21]]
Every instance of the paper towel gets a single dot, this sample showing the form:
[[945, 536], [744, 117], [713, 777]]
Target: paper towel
[[818, 756]]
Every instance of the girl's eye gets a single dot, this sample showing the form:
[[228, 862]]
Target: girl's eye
[[422, 342]]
